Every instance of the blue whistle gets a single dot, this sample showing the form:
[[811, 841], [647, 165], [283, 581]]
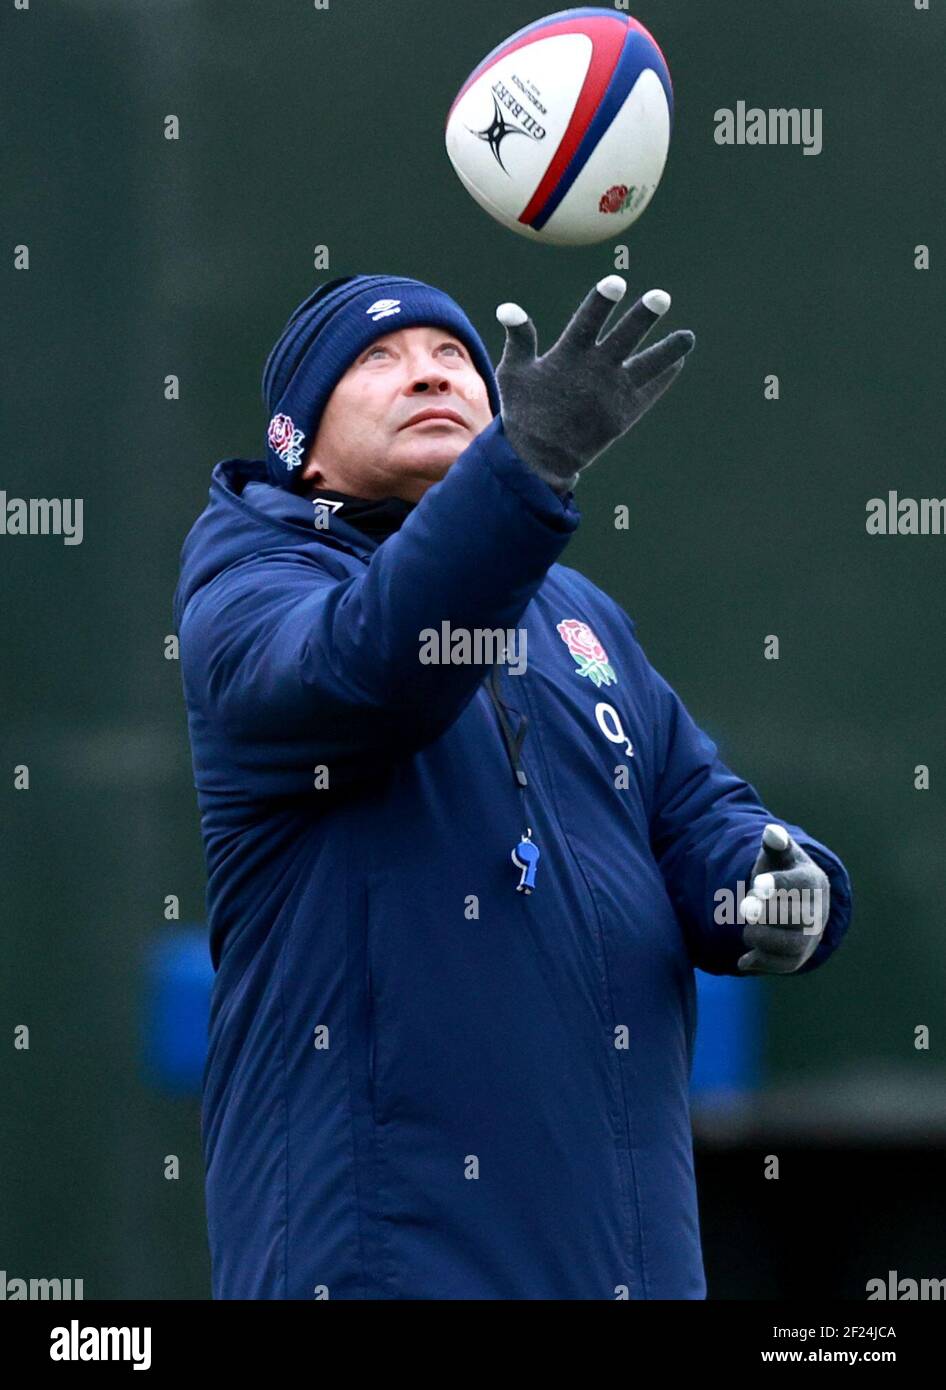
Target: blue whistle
[[525, 857]]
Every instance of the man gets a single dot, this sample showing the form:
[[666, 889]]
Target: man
[[455, 909]]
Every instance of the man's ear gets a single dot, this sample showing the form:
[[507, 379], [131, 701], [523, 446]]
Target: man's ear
[[310, 469]]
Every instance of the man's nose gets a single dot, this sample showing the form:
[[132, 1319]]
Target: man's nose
[[427, 376]]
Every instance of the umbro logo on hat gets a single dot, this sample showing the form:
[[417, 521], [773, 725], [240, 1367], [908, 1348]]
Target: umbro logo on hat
[[381, 308]]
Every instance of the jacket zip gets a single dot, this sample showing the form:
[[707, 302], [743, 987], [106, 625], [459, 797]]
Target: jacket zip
[[513, 740]]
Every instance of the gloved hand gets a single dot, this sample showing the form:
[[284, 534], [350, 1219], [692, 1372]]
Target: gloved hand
[[782, 949], [561, 410]]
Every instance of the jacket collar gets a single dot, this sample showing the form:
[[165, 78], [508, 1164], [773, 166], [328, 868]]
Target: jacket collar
[[375, 518]]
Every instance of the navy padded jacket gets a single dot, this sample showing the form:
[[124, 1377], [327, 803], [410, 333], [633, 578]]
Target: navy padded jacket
[[422, 1082]]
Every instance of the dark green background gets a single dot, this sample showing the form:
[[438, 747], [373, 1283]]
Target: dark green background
[[148, 257]]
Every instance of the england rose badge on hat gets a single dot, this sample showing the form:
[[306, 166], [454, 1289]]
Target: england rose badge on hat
[[285, 440]]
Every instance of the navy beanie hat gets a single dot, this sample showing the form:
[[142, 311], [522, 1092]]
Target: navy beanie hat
[[324, 336]]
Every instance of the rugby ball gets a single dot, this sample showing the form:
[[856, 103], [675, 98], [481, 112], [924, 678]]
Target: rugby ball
[[562, 132]]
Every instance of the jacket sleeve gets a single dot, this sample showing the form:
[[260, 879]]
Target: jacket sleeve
[[706, 832], [291, 663]]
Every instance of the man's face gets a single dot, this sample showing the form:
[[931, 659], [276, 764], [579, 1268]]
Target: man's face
[[367, 444]]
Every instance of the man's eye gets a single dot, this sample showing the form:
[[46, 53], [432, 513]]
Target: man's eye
[[454, 347]]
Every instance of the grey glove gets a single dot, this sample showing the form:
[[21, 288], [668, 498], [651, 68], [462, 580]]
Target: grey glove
[[783, 931], [562, 410]]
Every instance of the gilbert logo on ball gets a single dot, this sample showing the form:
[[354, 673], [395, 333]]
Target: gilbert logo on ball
[[562, 132]]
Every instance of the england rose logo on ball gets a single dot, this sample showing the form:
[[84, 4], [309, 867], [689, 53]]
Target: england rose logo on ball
[[613, 200], [285, 440], [591, 657]]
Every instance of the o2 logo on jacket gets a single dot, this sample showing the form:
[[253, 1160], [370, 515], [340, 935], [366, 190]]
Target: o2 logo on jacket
[[591, 657], [609, 722]]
